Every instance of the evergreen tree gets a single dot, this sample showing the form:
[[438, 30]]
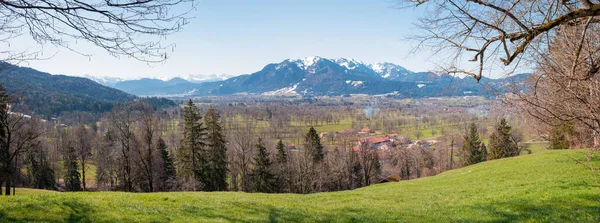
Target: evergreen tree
[[191, 154], [313, 145], [501, 143], [40, 171], [71, 179], [559, 136], [281, 153], [472, 147], [282, 168], [484, 152], [168, 169], [215, 168], [263, 180]]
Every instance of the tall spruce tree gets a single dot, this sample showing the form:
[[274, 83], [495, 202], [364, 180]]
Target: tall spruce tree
[[192, 154], [72, 180], [262, 179], [215, 168], [168, 175], [559, 136], [484, 152], [282, 168], [472, 147], [281, 153], [501, 143], [312, 142]]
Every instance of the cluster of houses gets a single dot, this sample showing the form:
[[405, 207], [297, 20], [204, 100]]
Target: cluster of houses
[[366, 136], [379, 142], [383, 143]]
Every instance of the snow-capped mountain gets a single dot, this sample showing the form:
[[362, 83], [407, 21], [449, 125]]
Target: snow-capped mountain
[[313, 76], [198, 78], [105, 80], [390, 70]]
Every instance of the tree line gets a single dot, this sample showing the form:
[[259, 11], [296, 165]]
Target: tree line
[[136, 148]]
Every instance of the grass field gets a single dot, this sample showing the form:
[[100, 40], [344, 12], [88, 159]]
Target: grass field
[[28, 191], [545, 186]]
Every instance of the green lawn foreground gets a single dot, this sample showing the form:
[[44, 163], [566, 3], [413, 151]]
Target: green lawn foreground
[[542, 187]]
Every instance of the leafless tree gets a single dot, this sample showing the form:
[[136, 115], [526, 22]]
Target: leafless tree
[[107, 160], [485, 31], [566, 86], [20, 134], [369, 161], [122, 118], [240, 153], [83, 139], [149, 129], [131, 28]]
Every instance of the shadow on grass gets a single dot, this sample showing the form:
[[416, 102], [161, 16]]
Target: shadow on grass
[[576, 209], [73, 211], [78, 212]]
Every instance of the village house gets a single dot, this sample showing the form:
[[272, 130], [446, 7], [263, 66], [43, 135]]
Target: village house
[[365, 131], [323, 135], [346, 132]]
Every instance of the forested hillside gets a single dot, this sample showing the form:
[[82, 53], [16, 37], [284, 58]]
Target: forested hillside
[[39, 93]]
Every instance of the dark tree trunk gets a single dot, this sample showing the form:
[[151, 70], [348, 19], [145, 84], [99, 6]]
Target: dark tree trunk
[[83, 173], [8, 183]]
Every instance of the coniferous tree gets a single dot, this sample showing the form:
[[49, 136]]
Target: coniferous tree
[[313, 145], [501, 143], [42, 175], [472, 148], [282, 169], [168, 176], [191, 154], [484, 152], [215, 168], [281, 153], [559, 136], [263, 180], [72, 180]]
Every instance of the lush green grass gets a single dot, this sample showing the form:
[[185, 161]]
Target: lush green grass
[[538, 147], [544, 186], [28, 191]]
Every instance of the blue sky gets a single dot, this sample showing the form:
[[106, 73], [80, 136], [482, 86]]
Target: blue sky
[[239, 37]]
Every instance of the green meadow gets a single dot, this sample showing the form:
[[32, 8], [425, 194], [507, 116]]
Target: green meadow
[[548, 186]]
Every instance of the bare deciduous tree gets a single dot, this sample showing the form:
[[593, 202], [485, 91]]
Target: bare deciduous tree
[[129, 28], [566, 86], [83, 139], [497, 29]]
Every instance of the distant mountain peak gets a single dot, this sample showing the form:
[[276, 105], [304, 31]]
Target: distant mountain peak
[[306, 62], [350, 64]]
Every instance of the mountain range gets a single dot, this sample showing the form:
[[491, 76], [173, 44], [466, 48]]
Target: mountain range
[[316, 76]]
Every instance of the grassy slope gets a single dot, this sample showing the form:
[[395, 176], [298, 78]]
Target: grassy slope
[[547, 186]]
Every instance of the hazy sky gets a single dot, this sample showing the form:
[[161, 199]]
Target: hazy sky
[[239, 37]]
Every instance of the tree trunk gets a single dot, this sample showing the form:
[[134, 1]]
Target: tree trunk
[[151, 174], [83, 174], [7, 188], [452, 154]]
